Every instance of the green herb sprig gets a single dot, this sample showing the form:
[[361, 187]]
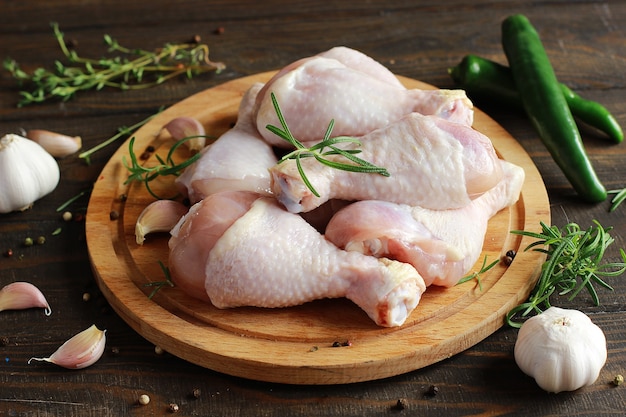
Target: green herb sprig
[[477, 275], [158, 285], [620, 196], [131, 69], [317, 151], [165, 167], [121, 132], [573, 263]]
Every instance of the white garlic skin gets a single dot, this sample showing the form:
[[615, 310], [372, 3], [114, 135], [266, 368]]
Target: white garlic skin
[[158, 216], [27, 173], [22, 295], [56, 144], [562, 349], [82, 350]]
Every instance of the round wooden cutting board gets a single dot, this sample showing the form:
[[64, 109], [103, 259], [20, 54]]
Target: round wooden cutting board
[[298, 345]]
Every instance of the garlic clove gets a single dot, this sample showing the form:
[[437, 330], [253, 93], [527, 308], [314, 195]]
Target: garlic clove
[[82, 350], [27, 173], [22, 295], [158, 216], [187, 127], [56, 144]]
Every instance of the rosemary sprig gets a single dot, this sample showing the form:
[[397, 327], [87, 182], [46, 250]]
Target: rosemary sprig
[[317, 151], [158, 285], [126, 71], [620, 196], [478, 274], [165, 167], [121, 131], [573, 263]]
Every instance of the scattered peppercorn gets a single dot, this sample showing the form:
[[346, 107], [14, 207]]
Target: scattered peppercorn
[[114, 215], [173, 408], [196, 392], [123, 197], [41, 240], [220, 30], [401, 404], [86, 296], [4, 341], [342, 344], [618, 380], [511, 253], [432, 391], [158, 350], [143, 399], [313, 349], [67, 216], [28, 241], [115, 350]]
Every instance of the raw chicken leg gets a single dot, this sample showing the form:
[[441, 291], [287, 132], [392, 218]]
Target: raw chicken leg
[[315, 90], [358, 61], [238, 160], [433, 163], [441, 244], [269, 257]]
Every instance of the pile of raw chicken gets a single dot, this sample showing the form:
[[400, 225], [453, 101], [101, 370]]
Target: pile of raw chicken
[[257, 236]]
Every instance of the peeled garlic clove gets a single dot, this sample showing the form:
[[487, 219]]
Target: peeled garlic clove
[[81, 351], [27, 173], [187, 127], [22, 295], [57, 144], [158, 216]]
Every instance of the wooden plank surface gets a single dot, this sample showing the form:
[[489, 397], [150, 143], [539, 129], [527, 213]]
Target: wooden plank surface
[[586, 43]]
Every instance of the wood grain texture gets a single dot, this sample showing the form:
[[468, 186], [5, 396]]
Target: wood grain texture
[[586, 43], [295, 345]]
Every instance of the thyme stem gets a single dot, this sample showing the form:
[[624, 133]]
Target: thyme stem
[[126, 71], [122, 131]]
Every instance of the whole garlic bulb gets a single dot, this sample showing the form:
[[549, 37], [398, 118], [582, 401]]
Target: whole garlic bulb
[[562, 349], [27, 173]]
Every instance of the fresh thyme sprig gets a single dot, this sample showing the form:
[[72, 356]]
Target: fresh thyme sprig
[[165, 167], [317, 151], [478, 274], [158, 285], [121, 131], [573, 263], [132, 69]]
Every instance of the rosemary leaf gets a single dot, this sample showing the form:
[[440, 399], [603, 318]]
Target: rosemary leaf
[[353, 164], [165, 167], [573, 263]]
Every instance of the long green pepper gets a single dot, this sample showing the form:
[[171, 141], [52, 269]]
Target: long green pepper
[[546, 106], [486, 79]]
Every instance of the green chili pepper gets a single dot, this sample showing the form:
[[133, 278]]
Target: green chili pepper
[[486, 79], [546, 107]]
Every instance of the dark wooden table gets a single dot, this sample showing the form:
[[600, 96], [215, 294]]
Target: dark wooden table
[[419, 39]]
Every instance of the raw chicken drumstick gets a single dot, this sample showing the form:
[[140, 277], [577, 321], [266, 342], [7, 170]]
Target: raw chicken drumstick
[[315, 90], [240, 250], [238, 160], [433, 163], [442, 245]]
